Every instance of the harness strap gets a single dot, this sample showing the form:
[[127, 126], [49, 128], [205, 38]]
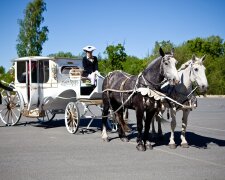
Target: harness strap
[[122, 87], [122, 84]]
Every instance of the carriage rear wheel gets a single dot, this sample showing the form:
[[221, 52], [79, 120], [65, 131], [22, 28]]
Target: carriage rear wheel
[[11, 108], [48, 116], [72, 117]]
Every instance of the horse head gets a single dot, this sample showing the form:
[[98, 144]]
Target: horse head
[[168, 67], [197, 73]]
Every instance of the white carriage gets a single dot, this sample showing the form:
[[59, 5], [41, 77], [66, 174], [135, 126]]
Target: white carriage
[[46, 86]]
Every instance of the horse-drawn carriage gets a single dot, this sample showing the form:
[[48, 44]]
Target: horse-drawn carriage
[[46, 86]]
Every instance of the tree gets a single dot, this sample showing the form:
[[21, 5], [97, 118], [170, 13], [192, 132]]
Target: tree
[[116, 56], [31, 36], [165, 45], [62, 54], [212, 45], [2, 70], [134, 65], [6, 76]]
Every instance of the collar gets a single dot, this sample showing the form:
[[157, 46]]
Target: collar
[[90, 58]]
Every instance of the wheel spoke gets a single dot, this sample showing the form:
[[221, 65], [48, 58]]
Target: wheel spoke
[[47, 115], [12, 121], [8, 112], [15, 114], [6, 100]]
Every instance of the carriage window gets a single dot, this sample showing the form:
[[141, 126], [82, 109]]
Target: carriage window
[[43, 71], [21, 71], [66, 69], [34, 71]]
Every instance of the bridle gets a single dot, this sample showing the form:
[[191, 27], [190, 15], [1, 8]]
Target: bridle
[[147, 82]]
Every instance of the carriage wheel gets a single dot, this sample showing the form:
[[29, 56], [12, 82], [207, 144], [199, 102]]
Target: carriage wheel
[[111, 121], [49, 116], [11, 108], [72, 117]]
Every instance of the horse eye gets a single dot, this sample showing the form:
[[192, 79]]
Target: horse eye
[[196, 69], [166, 63]]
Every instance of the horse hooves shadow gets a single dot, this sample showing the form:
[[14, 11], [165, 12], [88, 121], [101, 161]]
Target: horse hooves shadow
[[193, 139]]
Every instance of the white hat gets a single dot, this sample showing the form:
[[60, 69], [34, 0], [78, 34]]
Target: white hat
[[89, 48]]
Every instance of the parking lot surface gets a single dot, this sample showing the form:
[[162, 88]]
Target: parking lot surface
[[31, 150]]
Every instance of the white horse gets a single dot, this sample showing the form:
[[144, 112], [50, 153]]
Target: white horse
[[193, 71]]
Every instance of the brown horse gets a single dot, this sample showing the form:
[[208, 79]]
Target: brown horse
[[120, 90]]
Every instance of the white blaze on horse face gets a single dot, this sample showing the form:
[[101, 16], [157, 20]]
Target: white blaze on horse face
[[170, 70], [198, 74]]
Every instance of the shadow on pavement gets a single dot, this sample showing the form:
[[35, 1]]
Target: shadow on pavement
[[193, 139]]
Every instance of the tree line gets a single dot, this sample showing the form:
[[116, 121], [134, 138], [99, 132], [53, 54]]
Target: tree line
[[213, 47], [32, 36]]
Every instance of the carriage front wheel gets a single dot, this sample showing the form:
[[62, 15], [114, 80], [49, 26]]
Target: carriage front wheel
[[72, 117], [11, 107]]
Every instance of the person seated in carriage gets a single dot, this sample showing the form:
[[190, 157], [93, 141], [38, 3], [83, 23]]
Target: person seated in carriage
[[7, 88], [90, 64]]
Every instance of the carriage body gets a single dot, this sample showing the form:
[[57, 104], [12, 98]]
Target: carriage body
[[49, 84]]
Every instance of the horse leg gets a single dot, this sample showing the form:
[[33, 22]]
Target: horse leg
[[105, 113], [125, 116], [121, 126], [172, 144], [139, 116], [149, 118], [153, 127], [158, 119], [184, 143]]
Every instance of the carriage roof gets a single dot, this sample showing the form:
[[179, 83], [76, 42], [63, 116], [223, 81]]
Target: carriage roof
[[37, 58], [33, 58], [61, 61]]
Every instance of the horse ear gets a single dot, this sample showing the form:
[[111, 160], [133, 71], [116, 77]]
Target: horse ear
[[203, 58], [172, 52], [193, 58], [161, 52]]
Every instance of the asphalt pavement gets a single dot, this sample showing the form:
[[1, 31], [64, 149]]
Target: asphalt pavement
[[31, 150]]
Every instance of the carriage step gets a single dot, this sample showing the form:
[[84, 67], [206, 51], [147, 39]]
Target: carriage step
[[91, 101], [34, 113]]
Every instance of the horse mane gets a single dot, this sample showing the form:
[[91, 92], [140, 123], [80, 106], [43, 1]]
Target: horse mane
[[184, 65], [153, 63]]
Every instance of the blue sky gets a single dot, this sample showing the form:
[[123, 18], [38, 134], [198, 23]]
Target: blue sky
[[74, 24]]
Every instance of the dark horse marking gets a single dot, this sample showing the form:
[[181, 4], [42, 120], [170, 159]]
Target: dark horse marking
[[163, 67]]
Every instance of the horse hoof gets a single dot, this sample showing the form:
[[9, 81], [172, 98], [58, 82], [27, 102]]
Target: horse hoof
[[124, 139], [105, 139], [149, 146], [185, 145], [172, 146], [141, 147]]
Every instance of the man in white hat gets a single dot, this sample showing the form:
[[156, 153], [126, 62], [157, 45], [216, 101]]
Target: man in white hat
[[90, 64]]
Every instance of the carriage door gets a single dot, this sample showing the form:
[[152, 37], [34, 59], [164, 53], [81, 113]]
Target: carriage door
[[33, 85], [39, 77]]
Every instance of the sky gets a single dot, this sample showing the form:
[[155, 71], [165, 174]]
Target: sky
[[137, 24]]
